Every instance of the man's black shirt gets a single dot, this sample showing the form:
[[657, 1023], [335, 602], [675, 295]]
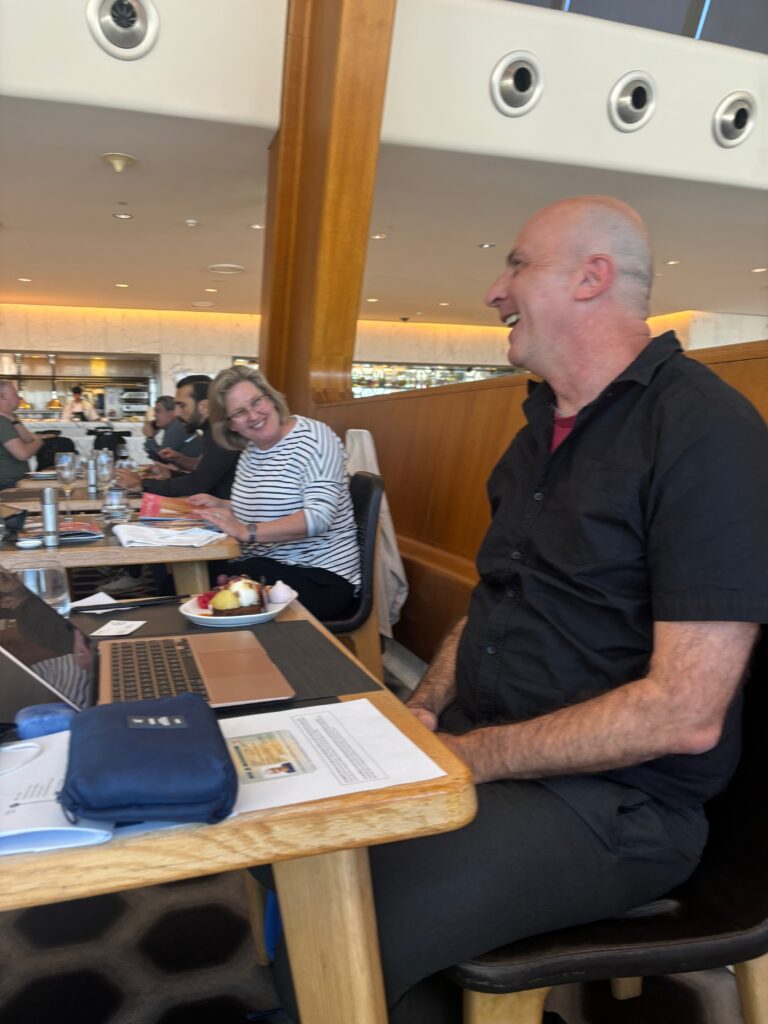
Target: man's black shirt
[[652, 509]]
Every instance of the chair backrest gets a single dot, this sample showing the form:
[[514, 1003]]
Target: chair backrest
[[107, 439], [366, 490], [733, 865], [46, 453]]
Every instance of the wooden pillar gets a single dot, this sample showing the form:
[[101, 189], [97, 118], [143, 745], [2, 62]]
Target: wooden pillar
[[322, 175]]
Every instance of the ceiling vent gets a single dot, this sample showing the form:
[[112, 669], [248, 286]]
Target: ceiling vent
[[734, 119], [516, 83], [632, 101], [125, 29]]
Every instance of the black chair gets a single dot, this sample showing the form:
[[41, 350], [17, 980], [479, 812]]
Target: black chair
[[717, 918], [359, 624], [106, 438], [46, 453]]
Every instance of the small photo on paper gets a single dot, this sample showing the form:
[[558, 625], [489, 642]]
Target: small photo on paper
[[262, 757]]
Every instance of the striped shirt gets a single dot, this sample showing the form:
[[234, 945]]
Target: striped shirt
[[306, 470]]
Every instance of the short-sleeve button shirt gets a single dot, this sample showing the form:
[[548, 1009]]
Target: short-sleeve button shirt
[[654, 508]]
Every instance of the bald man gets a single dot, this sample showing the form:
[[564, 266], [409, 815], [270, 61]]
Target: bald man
[[16, 443], [593, 686]]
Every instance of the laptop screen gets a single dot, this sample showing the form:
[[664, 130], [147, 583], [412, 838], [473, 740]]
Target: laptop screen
[[44, 657]]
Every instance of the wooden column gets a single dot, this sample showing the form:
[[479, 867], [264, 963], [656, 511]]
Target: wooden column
[[322, 175]]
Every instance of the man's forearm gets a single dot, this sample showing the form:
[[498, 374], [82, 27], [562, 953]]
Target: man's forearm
[[678, 708], [438, 685]]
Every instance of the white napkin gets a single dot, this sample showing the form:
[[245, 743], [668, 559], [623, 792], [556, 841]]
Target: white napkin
[[100, 598], [154, 537]]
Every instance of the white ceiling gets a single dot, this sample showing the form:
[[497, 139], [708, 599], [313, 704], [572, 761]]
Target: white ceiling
[[57, 199]]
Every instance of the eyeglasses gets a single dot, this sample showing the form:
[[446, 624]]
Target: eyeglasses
[[253, 406]]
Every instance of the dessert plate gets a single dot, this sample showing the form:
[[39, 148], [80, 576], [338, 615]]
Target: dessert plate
[[191, 610]]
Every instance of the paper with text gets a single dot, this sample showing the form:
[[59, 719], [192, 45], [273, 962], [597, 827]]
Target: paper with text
[[290, 757]]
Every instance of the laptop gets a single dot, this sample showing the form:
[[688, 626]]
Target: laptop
[[44, 658]]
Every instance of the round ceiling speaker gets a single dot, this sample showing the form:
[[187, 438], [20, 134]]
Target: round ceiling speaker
[[125, 29], [734, 118], [632, 101], [516, 83]]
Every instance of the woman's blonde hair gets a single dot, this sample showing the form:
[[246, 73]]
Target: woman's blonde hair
[[223, 434]]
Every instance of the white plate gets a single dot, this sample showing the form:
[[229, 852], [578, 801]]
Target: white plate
[[192, 611], [27, 545], [43, 474]]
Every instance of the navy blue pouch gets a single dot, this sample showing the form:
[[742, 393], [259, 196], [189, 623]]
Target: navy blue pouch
[[149, 760]]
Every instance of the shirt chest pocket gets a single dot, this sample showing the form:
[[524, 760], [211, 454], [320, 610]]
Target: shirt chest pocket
[[592, 517]]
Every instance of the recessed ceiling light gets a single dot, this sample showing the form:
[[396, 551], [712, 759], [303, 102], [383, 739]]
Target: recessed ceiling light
[[122, 286], [759, 270], [24, 280], [486, 245], [211, 289], [672, 263], [419, 313], [256, 227], [123, 216], [203, 304], [371, 300], [191, 222], [226, 268], [379, 236], [443, 303]]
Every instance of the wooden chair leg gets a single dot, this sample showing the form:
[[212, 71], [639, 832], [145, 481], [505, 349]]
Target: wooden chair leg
[[505, 1007], [752, 981], [256, 902], [626, 988]]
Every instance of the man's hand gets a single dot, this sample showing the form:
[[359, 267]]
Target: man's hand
[[424, 715], [156, 471], [185, 462], [128, 479]]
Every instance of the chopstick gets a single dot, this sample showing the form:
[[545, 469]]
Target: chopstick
[[127, 604]]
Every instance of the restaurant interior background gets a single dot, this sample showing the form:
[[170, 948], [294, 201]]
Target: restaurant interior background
[[159, 258]]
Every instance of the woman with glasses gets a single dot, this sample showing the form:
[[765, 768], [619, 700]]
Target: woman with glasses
[[290, 506]]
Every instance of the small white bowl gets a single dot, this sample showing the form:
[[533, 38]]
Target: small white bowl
[[29, 543]]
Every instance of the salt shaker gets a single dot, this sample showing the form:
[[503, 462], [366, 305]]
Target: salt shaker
[[50, 510]]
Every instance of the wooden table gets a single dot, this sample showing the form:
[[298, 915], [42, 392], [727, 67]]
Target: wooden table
[[321, 868], [27, 496], [188, 565]]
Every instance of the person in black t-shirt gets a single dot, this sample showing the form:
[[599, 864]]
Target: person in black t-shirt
[[593, 686]]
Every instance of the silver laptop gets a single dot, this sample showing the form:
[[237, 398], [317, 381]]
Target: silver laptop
[[44, 658]]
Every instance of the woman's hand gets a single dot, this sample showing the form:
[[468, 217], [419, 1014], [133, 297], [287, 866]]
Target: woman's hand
[[205, 501], [225, 520]]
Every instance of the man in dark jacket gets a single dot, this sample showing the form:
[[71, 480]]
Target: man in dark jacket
[[214, 472]]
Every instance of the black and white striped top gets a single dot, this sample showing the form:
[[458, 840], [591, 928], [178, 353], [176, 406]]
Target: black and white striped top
[[306, 470]]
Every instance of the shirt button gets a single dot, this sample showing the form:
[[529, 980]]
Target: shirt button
[[490, 649], [538, 496], [516, 555], [509, 592]]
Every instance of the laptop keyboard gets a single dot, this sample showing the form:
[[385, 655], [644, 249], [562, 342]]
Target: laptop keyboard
[[157, 667]]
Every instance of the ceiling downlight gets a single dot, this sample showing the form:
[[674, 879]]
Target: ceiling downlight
[[734, 119], [632, 101], [226, 268]]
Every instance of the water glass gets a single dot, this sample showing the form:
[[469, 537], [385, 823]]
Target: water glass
[[66, 470], [49, 584], [105, 465]]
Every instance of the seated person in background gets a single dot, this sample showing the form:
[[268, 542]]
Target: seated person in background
[[175, 436], [291, 509], [78, 408], [212, 474], [593, 687], [16, 443]]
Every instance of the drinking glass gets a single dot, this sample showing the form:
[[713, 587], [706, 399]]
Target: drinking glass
[[105, 465], [49, 584], [66, 470]]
